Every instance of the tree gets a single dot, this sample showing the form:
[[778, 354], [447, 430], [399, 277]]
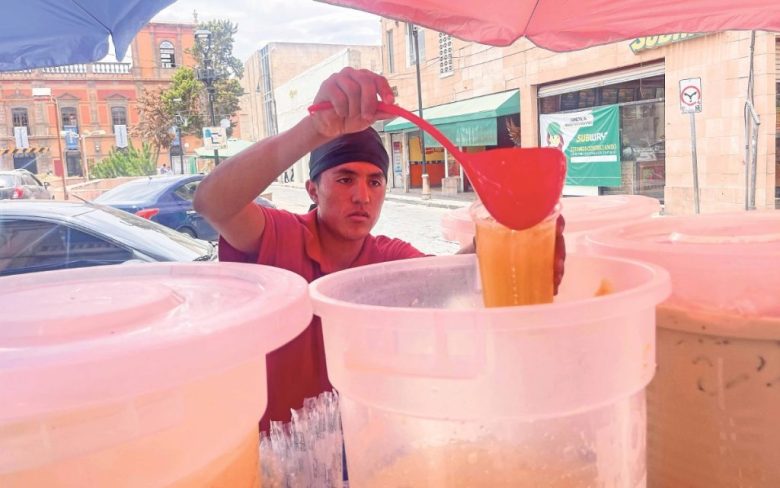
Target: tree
[[155, 121], [222, 32], [127, 162], [227, 68], [184, 101]]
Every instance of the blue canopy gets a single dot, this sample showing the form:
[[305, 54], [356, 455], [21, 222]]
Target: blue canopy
[[42, 33]]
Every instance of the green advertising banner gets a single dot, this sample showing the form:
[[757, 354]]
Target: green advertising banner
[[591, 141]]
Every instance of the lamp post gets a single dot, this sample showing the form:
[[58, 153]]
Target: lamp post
[[46, 92], [207, 75]]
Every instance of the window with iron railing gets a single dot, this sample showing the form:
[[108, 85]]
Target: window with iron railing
[[445, 54], [20, 117], [118, 116], [167, 55]]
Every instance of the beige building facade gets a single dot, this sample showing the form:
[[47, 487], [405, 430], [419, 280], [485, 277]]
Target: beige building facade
[[638, 82], [277, 63]]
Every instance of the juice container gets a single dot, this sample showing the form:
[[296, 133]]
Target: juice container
[[149, 375], [713, 404]]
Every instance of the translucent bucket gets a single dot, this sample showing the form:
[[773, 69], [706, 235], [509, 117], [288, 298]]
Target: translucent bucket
[[140, 375], [582, 214], [713, 405], [437, 391]]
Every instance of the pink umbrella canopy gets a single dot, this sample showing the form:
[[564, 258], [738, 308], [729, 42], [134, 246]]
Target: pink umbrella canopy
[[567, 25]]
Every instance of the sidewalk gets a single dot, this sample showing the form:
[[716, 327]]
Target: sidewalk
[[414, 196]]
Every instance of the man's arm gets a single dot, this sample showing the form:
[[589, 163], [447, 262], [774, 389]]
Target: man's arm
[[225, 197]]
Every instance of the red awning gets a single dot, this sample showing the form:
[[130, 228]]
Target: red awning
[[567, 25]]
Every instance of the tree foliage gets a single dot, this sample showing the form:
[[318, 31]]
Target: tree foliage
[[154, 121], [222, 33], [127, 162], [227, 69], [185, 100]]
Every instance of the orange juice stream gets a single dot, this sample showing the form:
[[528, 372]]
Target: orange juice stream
[[516, 266]]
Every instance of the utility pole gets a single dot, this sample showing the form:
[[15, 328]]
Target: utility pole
[[207, 76], [426, 187]]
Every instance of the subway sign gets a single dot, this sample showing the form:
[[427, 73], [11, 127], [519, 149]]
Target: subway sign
[[651, 42]]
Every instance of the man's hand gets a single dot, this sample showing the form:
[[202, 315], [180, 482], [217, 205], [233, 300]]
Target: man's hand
[[353, 94]]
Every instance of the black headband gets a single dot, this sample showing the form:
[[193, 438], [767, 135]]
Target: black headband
[[365, 146]]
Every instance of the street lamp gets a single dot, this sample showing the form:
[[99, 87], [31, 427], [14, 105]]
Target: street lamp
[[207, 75]]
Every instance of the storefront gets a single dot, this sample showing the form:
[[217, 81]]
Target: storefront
[[474, 125], [611, 126]]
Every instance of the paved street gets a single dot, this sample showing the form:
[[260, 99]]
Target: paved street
[[417, 224]]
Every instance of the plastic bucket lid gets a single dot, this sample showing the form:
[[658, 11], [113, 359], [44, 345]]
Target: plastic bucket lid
[[412, 337], [457, 226], [586, 213], [727, 264], [76, 338], [581, 214]]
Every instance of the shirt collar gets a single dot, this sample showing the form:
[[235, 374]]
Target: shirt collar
[[313, 244]]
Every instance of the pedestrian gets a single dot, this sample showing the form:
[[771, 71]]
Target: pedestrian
[[285, 178], [292, 175], [347, 182], [164, 170]]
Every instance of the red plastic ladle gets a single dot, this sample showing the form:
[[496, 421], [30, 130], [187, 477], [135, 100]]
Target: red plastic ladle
[[518, 186]]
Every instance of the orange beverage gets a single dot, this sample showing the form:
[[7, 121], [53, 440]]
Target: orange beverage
[[516, 266]]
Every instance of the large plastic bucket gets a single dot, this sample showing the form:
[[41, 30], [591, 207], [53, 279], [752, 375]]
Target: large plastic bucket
[[438, 391], [713, 405], [140, 375], [582, 214]]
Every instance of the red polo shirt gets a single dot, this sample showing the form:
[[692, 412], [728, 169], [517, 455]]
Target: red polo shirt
[[297, 370]]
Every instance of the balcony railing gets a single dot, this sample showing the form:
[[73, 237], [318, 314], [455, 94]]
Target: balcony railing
[[83, 69], [111, 68]]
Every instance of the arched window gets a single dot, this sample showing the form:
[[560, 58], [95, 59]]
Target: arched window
[[118, 116], [20, 118], [167, 55]]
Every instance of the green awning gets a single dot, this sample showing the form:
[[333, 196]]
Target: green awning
[[469, 122], [234, 146]]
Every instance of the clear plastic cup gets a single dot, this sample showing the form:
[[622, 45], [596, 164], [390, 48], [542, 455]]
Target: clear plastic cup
[[516, 266], [140, 375]]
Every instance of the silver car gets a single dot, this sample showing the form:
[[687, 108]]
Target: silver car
[[20, 184]]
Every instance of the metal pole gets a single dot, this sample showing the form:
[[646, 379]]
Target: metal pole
[[59, 147], [419, 94], [695, 164], [84, 155], [210, 90]]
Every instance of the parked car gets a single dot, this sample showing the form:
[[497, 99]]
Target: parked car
[[48, 235], [20, 184], [166, 200]]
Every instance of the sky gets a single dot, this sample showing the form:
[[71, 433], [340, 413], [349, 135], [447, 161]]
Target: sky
[[262, 21]]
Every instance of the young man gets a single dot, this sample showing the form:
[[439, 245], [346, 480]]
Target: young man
[[348, 171], [347, 182]]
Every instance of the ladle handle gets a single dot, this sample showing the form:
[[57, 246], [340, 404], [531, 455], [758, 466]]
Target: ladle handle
[[421, 123]]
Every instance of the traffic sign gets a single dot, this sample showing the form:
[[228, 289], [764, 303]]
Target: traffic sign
[[690, 95]]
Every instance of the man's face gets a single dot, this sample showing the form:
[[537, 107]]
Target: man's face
[[349, 198]]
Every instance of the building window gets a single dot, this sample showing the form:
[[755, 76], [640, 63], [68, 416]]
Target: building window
[[411, 30], [390, 53], [118, 116], [167, 55], [69, 116], [445, 53], [20, 118]]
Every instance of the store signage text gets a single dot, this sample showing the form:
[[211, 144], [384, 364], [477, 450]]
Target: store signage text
[[652, 42]]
